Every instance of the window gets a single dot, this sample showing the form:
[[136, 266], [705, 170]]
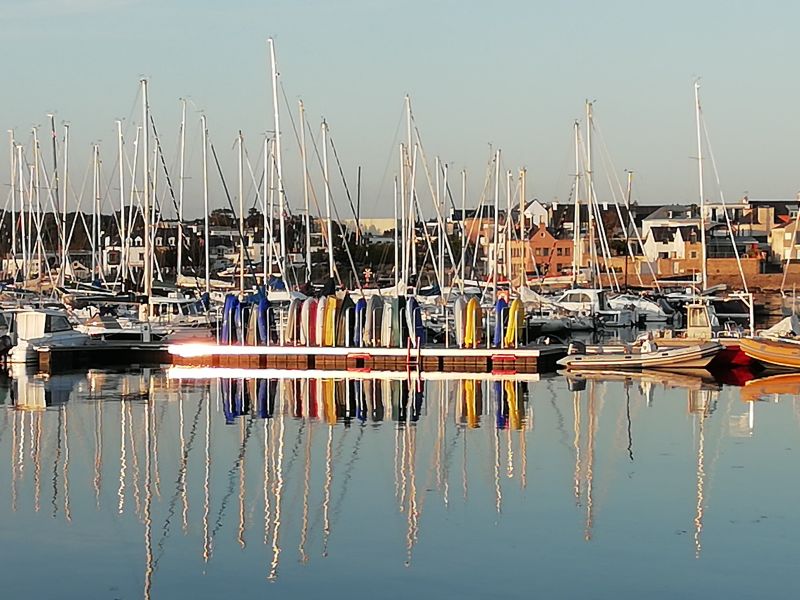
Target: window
[[559, 251], [55, 323], [546, 251], [697, 317], [566, 251], [693, 254]]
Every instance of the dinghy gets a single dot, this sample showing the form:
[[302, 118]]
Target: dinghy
[[649, 356], [773, 353]]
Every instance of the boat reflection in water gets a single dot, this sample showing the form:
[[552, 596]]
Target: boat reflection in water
[[267, 472]]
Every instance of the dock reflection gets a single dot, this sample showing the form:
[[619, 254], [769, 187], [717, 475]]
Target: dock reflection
[[278, 463]]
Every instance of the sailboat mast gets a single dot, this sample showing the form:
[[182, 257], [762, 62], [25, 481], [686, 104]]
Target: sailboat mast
[[627, 229], [403, 264], [37, 191], [64, 197], [496, 224], [437, 200], [576, 219], [241, 212], [206, 236], [305, 187], [95, 197], [523, 280], [148, 265], [122, 225], [507, 228], [396, 239], [271, 209], [180, 190], [443, 225], [327, 195], [21, 194], [54, 141], [13, 162], [590, 196], [463, 225], [264, 213], [700, 181], [278, 164]]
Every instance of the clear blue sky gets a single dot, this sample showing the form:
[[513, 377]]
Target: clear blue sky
[[511, 73]]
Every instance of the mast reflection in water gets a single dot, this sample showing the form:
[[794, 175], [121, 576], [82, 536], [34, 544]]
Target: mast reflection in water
[[152, 484]]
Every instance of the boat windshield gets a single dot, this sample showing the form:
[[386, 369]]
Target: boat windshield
[[54, 323]]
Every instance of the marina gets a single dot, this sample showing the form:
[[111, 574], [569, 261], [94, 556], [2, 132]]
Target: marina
[[167, 480], [423, 299]]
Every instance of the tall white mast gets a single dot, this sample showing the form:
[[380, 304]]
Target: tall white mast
[[180, 189], [523, 175], [21, 193], [271, 211], [463, 226], [412, 214], [267, 222], [278, 164], [496, 223], [507, 228], [700, 179], [206, 235], [403, 245], [590, 196], [439, 248], [148, 265], [327, 195], [123, 232], [241, 212], [37, 191], [133, 201], [64, 198], [305, 187], [396, 240], [411, 219], [95, 207], [576, 219], [443, 221], [13, 155]]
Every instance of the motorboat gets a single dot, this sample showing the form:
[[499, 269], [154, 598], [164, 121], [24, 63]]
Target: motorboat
[[773, 353], [593, 302], [32, 328], [646, 356], [652, 311], [108, 327], [702, 325]]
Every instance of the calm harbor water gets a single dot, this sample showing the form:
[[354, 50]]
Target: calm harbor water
[[142, 485]]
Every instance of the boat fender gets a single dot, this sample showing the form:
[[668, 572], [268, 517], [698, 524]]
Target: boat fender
[[5, 344]]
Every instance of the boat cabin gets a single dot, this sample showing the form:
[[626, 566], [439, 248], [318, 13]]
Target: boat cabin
[[701, 322], [35, 324], [583, 300]]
